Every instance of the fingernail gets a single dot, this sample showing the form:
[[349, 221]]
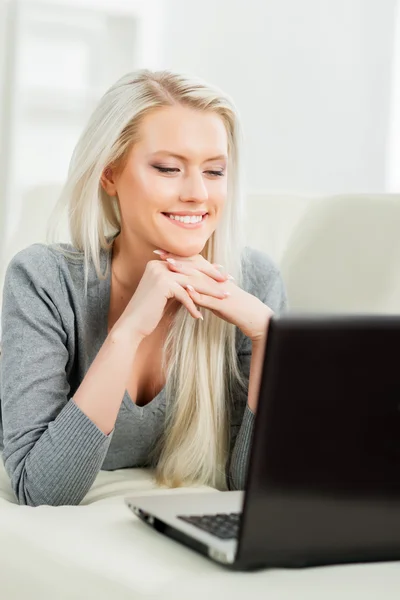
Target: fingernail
[[227, 294], [221, 267], [172, 261], [190, 287], [160, 252], [201, 317]]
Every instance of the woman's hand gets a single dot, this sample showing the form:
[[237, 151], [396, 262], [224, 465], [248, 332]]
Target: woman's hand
[[158, 286], [240, 308]]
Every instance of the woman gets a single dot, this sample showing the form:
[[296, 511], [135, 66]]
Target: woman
[[134, 346]]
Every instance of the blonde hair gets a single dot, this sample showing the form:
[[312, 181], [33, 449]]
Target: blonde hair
[[200, 358]]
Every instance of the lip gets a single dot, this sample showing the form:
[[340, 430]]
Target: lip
[[186, 225], [182, 213]]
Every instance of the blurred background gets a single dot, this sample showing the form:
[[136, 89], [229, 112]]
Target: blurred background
[[317, 83]]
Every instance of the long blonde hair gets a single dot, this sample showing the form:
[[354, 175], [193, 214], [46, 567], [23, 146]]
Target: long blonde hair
[[200, 358]]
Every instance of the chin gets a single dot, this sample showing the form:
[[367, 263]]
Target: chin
[[185, 250]]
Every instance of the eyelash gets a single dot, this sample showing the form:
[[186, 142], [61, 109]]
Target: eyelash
[[174, 170]]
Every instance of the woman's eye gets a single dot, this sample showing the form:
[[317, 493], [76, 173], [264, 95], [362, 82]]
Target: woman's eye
[[166, 169], [170, 170], [216, 173]]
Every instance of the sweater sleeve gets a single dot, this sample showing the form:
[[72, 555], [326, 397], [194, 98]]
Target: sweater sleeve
[[52, 451], [262, 279]]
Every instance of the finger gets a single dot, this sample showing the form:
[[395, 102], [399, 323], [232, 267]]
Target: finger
[[179, 267], [201, 265], [191, 276], [204, 300], [199, 261], [223, 270], [202, 285], [184, 298]]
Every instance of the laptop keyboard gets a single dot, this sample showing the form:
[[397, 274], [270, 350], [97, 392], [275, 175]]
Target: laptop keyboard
[[224, 526]]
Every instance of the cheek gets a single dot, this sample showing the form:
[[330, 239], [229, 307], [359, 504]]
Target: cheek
[[162, 189], [145, 190], [156, 190], [219, 192]]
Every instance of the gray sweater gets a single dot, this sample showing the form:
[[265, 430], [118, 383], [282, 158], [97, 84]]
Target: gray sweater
[[51, 333]]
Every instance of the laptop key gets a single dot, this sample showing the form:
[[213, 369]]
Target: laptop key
[[223, 526]]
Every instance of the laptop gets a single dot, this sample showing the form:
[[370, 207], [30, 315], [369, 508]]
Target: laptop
[[323, 481]]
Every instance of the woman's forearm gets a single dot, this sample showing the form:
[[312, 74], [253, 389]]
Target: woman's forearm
[[101, 392], [256, 366]]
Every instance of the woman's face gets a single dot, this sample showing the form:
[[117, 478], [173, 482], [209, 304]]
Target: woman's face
[[177, 168]]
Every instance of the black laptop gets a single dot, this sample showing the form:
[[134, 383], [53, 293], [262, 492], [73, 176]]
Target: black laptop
[[323, 483]]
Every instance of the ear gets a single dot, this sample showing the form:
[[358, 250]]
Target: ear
[[108, 182]]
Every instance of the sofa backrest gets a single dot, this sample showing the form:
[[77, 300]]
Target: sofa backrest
[[343, 255]]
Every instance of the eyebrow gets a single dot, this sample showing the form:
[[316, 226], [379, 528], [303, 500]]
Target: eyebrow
[[181, 157]]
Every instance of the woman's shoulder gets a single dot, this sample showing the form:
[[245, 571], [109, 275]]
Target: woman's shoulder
[[262, 278], [42, 263], [256, 263], [257, 269], [37, 258]]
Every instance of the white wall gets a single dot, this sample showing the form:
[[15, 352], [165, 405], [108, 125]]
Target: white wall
[[312, 80], [2, 96], [393, 166], [62, 56]]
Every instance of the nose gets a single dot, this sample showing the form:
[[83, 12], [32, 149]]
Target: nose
[[194, 188]]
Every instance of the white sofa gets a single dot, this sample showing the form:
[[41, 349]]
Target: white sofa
[[100, 551], [336, 254]]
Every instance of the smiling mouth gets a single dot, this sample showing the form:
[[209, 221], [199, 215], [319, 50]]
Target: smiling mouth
[[186, 219]]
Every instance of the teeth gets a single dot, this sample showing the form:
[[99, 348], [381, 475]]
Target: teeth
[[187, 218]]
